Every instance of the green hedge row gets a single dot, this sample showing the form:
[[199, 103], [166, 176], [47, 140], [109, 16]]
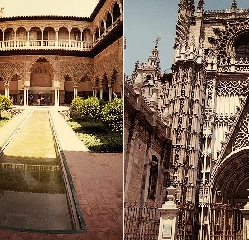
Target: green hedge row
[[110, 114]]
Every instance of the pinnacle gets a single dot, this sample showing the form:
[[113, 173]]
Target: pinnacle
[[234, 4]]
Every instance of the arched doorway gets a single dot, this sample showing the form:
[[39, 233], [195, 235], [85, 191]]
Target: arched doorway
[[230, 181], [41, 83]]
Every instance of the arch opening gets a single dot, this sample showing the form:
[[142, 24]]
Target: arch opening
[[241, 46]]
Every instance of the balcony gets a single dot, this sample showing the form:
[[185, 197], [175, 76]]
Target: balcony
[[46, 44]]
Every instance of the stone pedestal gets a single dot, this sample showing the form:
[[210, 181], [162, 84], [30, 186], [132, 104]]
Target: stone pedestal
[[168, 219]]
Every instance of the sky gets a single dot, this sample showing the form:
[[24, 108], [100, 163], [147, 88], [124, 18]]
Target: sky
[[145, 20], [81, 8]]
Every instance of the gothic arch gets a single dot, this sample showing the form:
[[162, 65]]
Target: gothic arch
[[228, 176], [239, 39]]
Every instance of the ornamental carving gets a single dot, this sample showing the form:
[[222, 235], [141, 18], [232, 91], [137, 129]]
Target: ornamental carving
[[232, 88], [242, 137], [9, 69], [224, 38], [75, 70]]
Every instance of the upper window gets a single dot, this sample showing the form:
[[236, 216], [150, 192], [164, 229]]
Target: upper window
[[242, 46]]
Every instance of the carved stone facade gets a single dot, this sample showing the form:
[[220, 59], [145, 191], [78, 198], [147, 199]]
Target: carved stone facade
[[204, 102], [61, 57]]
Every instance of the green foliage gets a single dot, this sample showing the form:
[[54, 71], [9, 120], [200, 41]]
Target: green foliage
[[112, 115], [91, 108], [76, 107], [99, 142], [5, 103], [96, 137]]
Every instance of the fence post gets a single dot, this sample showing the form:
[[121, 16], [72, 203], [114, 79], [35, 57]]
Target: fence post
[[168, 219]]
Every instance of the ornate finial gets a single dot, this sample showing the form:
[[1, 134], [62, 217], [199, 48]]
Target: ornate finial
[[234, 5], [157, 41], [200, 4]]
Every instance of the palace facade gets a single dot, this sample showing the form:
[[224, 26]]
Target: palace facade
[[61, 57], [200, 188]]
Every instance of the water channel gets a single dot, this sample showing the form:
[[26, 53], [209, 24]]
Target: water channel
[[32, 191]]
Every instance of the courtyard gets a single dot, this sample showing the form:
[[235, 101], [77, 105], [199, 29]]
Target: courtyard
[[95, 176]]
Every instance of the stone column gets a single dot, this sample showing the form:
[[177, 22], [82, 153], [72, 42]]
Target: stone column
[[26, 93], [6, 89], [27, 38], [81, 40], [110, 93], [15, 45], [57, 93], [69, 40], [75, 91], [56, 38], [168, 219], [101, 92], [42, 37], [105, 26]]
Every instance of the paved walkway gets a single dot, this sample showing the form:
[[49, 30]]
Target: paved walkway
[[98, 182]]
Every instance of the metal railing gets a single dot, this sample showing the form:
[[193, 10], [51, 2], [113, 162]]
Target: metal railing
[[141, 222]]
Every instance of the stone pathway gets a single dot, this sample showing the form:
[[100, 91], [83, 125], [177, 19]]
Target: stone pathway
[[98, 181]]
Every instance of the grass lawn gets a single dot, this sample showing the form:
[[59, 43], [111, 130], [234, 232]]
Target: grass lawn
[[96, 137], [5, 117], [3, 122]]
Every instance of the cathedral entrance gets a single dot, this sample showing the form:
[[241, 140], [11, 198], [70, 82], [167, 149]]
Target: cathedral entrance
[[230, 195], [41, 91]]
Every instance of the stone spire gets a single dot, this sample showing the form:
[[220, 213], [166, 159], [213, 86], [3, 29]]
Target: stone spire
[[234, 6], [200, 4], [200, 8], [185, 14]]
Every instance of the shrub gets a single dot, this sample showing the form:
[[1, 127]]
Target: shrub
[[112, 115], [91, 108], [76, 107], [5, 104]]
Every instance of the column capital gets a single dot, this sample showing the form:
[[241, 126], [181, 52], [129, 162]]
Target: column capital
[[6, 83], [26, 84]]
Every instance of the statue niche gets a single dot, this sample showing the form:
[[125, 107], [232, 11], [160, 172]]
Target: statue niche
[[41, 74]]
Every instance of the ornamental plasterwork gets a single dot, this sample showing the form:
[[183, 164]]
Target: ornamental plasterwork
[[51, 60], [9, 69], [242, 136], [223, 40], [76, 70], [235, 121], [232, 88]]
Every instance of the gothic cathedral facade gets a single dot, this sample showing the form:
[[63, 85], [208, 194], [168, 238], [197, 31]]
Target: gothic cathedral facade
[[202, 155]]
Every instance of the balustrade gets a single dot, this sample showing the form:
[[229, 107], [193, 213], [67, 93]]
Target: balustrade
[[46, 44]]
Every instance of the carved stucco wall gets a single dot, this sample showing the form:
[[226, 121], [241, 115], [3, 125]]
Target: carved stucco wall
[[74, 67], [108, 61]]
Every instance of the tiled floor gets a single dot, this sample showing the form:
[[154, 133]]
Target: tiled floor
[[98, 182]]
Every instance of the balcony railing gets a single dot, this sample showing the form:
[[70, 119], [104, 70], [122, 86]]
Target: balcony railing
[[46, 44]]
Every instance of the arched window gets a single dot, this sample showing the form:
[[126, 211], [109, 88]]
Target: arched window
[[242, 46], [108, 20], [153, 178], [102, 28], [97, 33], [116, 12]]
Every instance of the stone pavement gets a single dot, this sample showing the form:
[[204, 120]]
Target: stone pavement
[[98, 180]]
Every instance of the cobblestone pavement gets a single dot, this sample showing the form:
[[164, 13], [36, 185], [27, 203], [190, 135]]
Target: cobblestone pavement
[[98, 181]]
